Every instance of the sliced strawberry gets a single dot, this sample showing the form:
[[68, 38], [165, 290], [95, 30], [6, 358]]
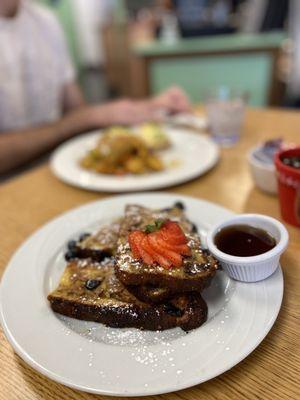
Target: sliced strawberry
[[162, 261], [165, 246], [175, 258], [174, 232], [173, 227], [146, 257], [148, 248], [154, 255], [182, 249], [170, 237], [134, 239], [178, 248]]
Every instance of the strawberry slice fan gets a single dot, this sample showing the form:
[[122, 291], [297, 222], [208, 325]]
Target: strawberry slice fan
[[163, 243]]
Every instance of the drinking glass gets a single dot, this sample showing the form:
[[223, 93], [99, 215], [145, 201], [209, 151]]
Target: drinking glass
[[225, 110]]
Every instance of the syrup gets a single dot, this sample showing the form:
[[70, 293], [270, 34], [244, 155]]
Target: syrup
[[244, 241]]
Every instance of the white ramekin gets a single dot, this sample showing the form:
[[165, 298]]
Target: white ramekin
[[255, 268], [264, 175]]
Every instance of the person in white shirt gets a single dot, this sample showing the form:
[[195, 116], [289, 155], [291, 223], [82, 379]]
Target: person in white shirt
[[41, 104]]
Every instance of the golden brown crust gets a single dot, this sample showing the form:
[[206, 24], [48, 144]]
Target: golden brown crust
[[173, 283], [156, 294], [112, 304], [194, 313]]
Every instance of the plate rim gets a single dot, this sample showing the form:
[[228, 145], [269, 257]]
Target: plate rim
[[57, 378], [153, 186]]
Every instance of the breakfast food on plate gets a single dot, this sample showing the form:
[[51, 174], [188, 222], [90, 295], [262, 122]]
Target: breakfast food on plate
[[96, 246], [120, 152], [91, 291], [145, 270], [159, 248], [154, 136]]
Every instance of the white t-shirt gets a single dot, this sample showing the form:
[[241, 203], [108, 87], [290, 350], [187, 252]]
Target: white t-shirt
[[34, 67]]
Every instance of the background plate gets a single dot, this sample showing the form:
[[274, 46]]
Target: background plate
[[193, 154], [128, 362]]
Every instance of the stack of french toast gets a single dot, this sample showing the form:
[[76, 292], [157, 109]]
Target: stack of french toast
[[146, 270]]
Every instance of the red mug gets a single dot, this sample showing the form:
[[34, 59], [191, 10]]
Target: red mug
[[288, 179]]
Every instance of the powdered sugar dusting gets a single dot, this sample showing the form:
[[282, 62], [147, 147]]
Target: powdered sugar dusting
[[120, 337]]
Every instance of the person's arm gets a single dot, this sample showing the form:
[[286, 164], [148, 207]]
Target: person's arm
[[72, 97], [20, 147]]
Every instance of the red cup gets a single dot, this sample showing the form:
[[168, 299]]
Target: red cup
[[288, 179]]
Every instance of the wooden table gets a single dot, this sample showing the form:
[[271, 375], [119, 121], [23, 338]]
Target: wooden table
[[272, 370]]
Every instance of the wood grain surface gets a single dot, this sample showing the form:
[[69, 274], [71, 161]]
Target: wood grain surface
[[272, 370]]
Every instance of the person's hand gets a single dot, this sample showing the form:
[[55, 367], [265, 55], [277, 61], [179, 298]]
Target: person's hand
[[173, 100], [123, 112]]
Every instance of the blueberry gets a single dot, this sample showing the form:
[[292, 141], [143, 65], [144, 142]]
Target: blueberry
[[205, 252], [92, 284], [70, 254], [194, 228], [179, 205], [83, 236], [71, 244], [172, 310]]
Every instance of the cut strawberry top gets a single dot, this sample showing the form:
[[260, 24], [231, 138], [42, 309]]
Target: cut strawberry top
[[165, 245], [146, 252], [171, 255], [172, 233], [135, 239], [178, 248]]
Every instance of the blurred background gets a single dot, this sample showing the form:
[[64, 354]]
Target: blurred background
[[140, 47]]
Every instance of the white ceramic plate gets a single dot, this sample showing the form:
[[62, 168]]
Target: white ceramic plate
[[128, 362], [189, 120], [191, 155]]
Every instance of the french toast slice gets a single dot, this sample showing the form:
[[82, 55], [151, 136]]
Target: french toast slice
[[91, 291], [103, 244], [196, 272], [96, 246]]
